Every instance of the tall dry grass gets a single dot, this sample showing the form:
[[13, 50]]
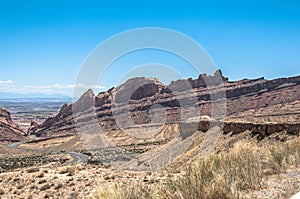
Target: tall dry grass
[[224, 175], [119, 191]]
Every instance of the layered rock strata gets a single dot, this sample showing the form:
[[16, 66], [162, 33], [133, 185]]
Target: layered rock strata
[[9, 131], [144, 101]]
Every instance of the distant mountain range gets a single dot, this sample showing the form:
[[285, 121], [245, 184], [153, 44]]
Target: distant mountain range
[[5, 95]]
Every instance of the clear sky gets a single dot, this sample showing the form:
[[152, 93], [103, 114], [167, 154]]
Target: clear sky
[[43, 43]]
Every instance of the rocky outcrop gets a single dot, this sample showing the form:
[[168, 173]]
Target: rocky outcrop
[[145, 101], [9, 131], [33, 128], [203, 81], [261, 130], [137, 88]]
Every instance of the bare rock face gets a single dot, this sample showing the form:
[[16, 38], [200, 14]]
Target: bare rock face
[[137, 88], [33, 128], [261, 129], [86, 101], [144, 101], [9, 131], [203, 81]]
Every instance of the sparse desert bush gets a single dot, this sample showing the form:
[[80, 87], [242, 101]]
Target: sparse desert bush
[[20, 186], [71, 184], [109, 177], [293, 150], [59, 186], [32, 170], [16, 179], [33, 187], [11, 163], [45, 187], [282, 156], [69, 170], [42, 181], [41, 174], [63, 170], [117, 191], [74, 195], [276, 157], [2, 192]]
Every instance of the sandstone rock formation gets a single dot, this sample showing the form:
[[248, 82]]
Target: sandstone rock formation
[[142, 101], [262, 130], [9, 131]]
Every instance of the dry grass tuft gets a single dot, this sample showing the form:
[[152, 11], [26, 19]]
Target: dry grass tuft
[[118, 191], [71, 170]]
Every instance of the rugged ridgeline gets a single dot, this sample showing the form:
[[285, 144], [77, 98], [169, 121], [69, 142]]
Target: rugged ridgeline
[[142, 101], [9, 131]]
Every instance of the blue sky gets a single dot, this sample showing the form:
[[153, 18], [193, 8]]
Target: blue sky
[[43, 43]]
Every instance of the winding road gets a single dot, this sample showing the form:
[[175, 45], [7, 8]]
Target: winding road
[[77, 157]]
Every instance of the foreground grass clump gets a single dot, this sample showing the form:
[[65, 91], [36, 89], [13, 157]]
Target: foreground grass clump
[[68, 170], [226, 175], [117, 191], [218, 176]]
